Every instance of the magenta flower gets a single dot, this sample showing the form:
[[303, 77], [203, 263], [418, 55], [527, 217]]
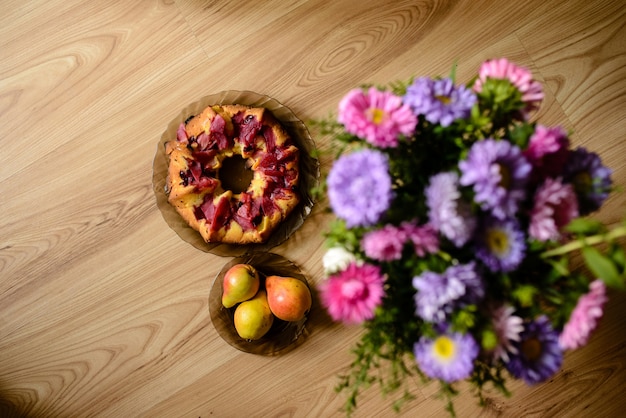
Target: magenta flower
[[378, 117], [584, 318], [555, 206], [547, 151], [520, 77], [424, 238], [385, 244], [352, 295]]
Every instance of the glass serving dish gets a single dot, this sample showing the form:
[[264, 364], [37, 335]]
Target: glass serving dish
[[309, 172], [283, 336]]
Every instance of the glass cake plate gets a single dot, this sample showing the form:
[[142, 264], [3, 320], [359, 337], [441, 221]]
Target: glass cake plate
[[283, 336], [309, 172]]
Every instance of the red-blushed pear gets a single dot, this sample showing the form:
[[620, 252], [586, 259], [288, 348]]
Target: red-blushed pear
[[253, 318], [241, 282], [288, 297]]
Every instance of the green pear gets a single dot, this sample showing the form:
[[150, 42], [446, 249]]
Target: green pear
[[253, 318], [241, 282], [289, 298]]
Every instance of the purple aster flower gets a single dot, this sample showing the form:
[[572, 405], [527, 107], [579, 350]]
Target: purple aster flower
[[498, 172], [449, 357], [437, 294], [423, 237], [591, 180], [385, 244], [439, 100], [500, 244], [539, 355], [379, 117], [447, 212], [555, 206], [359, 187]]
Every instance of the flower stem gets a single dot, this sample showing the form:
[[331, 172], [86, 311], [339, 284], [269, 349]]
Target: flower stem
[[591, 240]]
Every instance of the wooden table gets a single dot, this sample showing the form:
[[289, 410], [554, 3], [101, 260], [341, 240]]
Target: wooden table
[[104, 309]]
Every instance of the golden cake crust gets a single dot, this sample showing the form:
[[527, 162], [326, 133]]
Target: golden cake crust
[[196, 156]]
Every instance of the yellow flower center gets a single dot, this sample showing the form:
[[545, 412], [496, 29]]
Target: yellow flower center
[[497, 241], [582, 182], [444, 348], [377, 115], [531, 349], [444, 99], [505, 176]]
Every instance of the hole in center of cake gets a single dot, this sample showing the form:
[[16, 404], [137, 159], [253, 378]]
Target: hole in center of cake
[[234, 174]]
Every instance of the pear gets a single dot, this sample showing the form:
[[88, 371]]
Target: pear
[[288, 297], [241, 282], [253, 318]]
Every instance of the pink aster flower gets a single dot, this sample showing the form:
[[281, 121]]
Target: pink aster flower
[[508, 328], [424, 237], [520, 77], [555, 206], [352, 295], [378, 117], [584, 318], [385, 244], [547, 151]]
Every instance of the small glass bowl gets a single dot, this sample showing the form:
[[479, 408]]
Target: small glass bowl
[[283, 336]]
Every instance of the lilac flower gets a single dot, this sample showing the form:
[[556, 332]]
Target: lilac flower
[[424, 238], [508, 328], [385, 244], [447, 211], [539, 355], [352, 295], [584, 318], [438, 294], [591, 180], [359, 187], [500, 244], [449, 357], [498, 172], [555, 206], [379, 117], [439, 100]]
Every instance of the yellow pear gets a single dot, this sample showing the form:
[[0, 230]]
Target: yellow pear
[[253, 318], [241, 282], [288, 297]]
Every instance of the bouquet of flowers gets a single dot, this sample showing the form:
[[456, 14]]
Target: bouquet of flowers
[[455, 219]]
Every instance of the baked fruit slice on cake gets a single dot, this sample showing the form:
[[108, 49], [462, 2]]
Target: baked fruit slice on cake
[[196, 185]]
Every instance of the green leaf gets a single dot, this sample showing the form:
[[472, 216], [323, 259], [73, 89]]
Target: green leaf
[[583, 226], [525, 294], [603, 267]]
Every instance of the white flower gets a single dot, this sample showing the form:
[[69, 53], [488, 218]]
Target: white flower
[[337, 259]]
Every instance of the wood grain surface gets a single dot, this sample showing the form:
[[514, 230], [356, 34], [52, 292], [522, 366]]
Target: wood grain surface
[[104, 309]]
